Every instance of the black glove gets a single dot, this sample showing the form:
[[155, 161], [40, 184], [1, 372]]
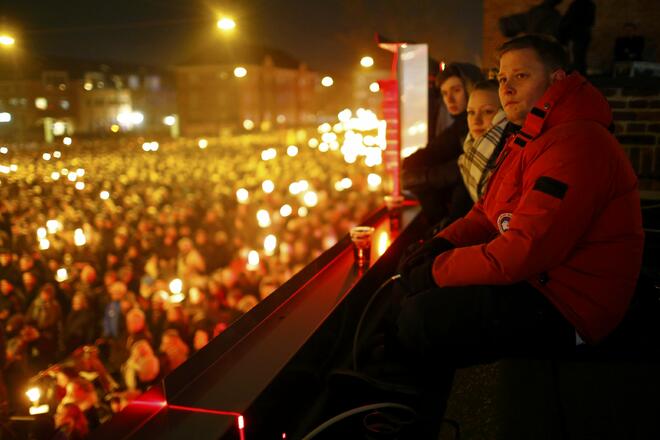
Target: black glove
[[417, 254], [419, 278]]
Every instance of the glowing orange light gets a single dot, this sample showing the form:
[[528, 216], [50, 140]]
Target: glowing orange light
[[383, 242], [226, 24]]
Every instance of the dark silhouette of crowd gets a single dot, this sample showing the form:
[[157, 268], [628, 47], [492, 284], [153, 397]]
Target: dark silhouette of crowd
[[109, 284]]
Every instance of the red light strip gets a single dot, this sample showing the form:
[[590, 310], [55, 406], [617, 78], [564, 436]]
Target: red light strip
[[240, 420]]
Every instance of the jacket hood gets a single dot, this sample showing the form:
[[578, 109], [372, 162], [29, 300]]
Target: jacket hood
[[571, 99]]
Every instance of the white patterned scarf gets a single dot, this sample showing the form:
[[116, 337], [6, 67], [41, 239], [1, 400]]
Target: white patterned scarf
[[476, 161]]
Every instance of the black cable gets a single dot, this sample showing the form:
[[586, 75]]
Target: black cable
[[364, 314], [357, 410]]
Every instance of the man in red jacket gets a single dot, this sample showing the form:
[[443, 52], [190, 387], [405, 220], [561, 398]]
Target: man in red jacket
[[550, 255]]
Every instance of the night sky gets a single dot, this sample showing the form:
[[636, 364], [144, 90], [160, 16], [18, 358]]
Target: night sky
[[328, 35]]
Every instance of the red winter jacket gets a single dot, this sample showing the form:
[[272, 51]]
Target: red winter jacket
[[562, 212]]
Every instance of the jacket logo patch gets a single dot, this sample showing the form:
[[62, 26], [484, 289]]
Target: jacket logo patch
[[503, 222], [552, 187]]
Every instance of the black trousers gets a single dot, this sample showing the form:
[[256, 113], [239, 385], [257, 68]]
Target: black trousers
[[441, 329], [475, 324]]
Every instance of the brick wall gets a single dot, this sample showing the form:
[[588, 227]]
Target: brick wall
[[610, 17], [636, 107]]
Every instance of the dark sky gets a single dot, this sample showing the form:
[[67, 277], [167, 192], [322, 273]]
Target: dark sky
[[326, 34]]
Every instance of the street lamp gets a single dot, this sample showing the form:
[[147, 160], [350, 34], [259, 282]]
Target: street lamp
[[226, 24], [240, 72], [327, 81], [7, 40], [367, 61]]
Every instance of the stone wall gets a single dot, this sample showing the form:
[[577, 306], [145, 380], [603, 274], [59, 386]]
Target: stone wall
[[635, 105]]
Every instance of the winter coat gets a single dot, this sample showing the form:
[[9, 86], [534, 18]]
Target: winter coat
[[562, 211]]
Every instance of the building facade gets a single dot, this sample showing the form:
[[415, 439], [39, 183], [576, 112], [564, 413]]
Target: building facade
[[256, 94]]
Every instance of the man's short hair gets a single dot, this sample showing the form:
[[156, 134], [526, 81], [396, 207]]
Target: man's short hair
[[550, 52]]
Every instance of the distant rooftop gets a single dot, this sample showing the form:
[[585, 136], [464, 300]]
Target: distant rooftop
[[240, 54], [31, 68]]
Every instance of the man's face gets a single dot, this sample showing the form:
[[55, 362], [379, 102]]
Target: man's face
[[523, 80], [454, 96]]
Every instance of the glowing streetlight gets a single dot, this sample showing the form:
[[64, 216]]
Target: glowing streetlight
[[7, 40], [202, 144], [104, 195], [292, 150], [327, 81], [367, 61], [240, 72], [226, 24], [67, 141], [5, 117], [374, 87]]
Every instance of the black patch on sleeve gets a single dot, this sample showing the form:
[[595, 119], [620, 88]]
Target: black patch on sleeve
[[537, 112], [520, 141], [551, 187]]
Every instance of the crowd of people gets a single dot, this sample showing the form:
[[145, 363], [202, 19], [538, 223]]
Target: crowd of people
[[117, 264]]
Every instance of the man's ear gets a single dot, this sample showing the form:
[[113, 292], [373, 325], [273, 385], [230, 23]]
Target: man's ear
[[557, 75]]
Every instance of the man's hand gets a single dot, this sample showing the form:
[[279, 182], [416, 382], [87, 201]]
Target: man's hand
[[419, 278], [416, 254]]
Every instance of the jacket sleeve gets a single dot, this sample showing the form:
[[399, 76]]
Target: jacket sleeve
[[474, 228], [558, 203]]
